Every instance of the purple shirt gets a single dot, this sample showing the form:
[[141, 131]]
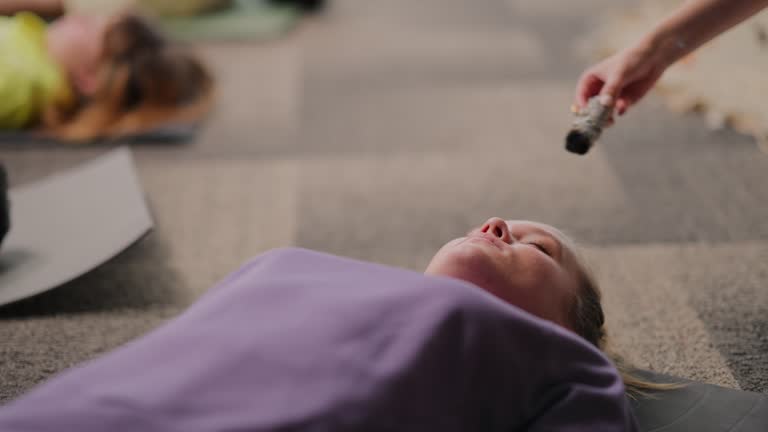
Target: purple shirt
[[303, 341]]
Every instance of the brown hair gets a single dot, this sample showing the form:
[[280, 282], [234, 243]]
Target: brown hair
[[589, 322], [145, 82]]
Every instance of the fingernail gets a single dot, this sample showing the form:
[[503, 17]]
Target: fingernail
[[606, 100]]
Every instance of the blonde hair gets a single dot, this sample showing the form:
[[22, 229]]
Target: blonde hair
[[588, 320], [145, 83]]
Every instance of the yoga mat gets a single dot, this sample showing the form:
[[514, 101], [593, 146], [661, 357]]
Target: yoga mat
[[170, 134], [700, 407], [245, 20], [70, 223]]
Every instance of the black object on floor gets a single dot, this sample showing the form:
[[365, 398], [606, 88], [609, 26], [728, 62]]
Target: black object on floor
[[5, 207], [305, 5]]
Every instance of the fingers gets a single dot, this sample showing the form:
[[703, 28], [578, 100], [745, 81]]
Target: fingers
[[589, 85], [637, 90], [620, 81], [622, 105]]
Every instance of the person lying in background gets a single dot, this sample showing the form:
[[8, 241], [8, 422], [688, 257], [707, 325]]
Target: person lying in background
[[55, 8], [85, 76]]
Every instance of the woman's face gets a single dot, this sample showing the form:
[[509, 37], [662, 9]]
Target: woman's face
[[526, 264], [76, 41]]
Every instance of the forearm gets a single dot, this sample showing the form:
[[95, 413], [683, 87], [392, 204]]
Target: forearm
[[40, 7], [695, 23]]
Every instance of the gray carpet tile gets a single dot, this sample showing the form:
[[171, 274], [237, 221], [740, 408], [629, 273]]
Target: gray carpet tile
[[35, 347], [686, 182], [650, 315], [422, 200], [728, 287], [549, 10], [510, 117], [215, 214], [398, 14], [564, 29], [258, 97], [691, 310], [353, 58]]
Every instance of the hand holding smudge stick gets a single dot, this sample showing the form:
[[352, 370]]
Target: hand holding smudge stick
[[588, 125]]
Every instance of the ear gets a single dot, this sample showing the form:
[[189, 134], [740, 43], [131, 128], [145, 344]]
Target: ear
[[86, 80]]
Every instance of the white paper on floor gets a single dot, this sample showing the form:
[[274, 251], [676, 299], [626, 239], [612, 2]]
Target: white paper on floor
[[65, 225]]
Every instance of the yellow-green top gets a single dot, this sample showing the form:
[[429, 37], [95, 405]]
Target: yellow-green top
[[29, 78]]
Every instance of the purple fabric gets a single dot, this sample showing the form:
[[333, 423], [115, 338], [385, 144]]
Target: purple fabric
[[303, 341]]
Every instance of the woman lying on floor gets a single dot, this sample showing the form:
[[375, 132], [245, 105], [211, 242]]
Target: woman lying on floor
[[538, 269], [83, 77], [501, 334]]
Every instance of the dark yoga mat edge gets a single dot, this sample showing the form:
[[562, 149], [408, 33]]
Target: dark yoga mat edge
[[700, 407]]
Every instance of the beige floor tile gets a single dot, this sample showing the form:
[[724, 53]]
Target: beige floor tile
[[214, 215], [258, 97], [359, 57], [361, 206]]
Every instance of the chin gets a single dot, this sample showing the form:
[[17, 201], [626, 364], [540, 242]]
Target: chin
[[466, 262]]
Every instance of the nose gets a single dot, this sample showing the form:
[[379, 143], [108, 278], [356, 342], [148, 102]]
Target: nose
[[498, 227]]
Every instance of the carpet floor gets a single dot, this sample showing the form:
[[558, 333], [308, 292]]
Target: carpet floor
[[382, 129]]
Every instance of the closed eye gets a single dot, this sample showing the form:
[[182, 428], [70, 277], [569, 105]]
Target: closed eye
[[541, 248]]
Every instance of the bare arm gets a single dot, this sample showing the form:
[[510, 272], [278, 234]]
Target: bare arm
[[697, 22], [40, 7], [624, 78]]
